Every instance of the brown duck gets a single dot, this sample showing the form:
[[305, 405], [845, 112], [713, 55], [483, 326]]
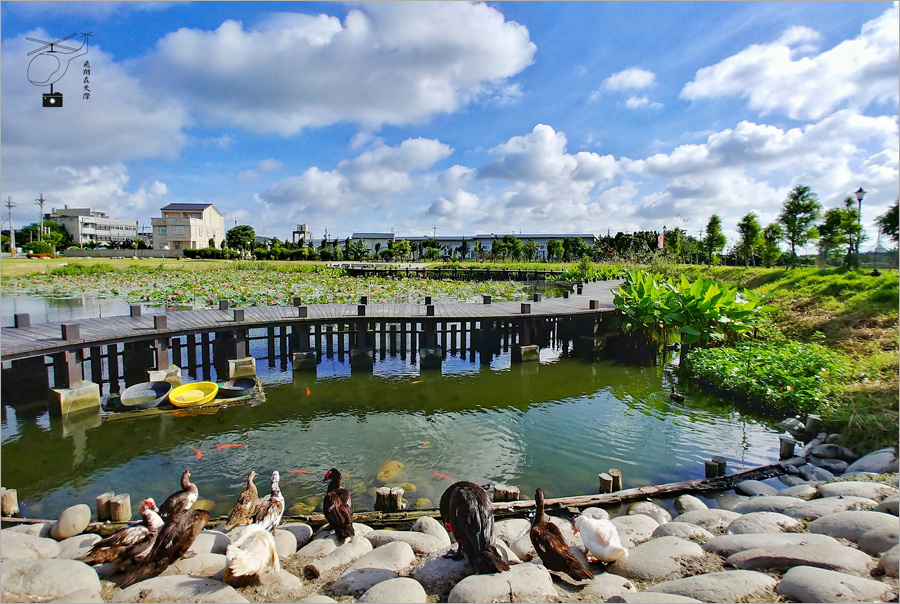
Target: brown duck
[[338, 506], [179, 500], [467, 512], [129, 541], [246, 505], [549, 544]]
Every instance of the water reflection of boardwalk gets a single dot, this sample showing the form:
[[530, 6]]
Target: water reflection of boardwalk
[[54, 338]]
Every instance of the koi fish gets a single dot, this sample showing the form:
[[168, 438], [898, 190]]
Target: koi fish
[[197, 453], [308, 392], [425, 443], [230, 446], [300, 472], [416, 382], [441, 475]]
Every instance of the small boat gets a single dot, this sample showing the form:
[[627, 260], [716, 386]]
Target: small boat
[[237, 387], [193, 394], [145, 395]]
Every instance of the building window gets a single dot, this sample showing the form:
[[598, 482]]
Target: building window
[[176, 245], [178, 230], [162, 230]]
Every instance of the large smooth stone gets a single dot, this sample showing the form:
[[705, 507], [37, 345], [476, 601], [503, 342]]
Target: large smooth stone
[[523, 548], [722, 586], [438, 574], [803, 491], [889, 563], [77, 546], [880, 461], [829, 556], [761, 522], [210, 542], [816, 508], [879, 540], [728, 501], [683, 530], [200, 565], [726, 545], [180, 588], [524, 582], [870, 490], [755, 488], [634, 529], [596, 513], [318, 548], [835, 466], [302, 532], [834, 451], [343, 555], [648, 508], [512, 529], [37, 529], [889, 505], [767, 504], [606, 585], [689, 503], [851, 525], [22, 546], [810, 584], [715, 521], [79, 596], [25, 580], [285, 543], [649, 597], [421, 543], [401, 590], [72, 521], [381, 564], [429, 526], [811, 472], [355, 582], [658, 559]]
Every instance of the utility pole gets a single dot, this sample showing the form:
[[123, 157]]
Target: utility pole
[[434, 231], [12, 232], [41, 201]]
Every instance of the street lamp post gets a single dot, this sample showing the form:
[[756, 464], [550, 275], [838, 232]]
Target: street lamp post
[[860, 193]]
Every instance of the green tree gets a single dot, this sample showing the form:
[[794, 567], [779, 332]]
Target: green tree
[[211, 242], [889, 222], [401, 249], [555, 249], [463, 249], [574, 248], [513, 246], [356, 250], [851, 230], [240, 237], [750, 238], [772, 236], [530, 250], [831, 235], [799, 211], [715, 240], [479, 250]]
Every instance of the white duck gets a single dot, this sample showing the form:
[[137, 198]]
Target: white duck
[[601, 539], [251, 554]]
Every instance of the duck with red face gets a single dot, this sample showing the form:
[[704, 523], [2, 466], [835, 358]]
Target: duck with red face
[[466, 511]]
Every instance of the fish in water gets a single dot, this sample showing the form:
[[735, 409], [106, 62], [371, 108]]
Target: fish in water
[[425, 443], [300, 472], [197, 453], [230, 446], [308, 392], [441, 475]]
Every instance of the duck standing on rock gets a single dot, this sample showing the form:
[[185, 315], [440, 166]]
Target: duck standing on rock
[[129, 541], [247, 505], [179, 500], [467, 512], [271, 507], [251, 554], [338, 506], [601, 539], [550, 545], [172, 542]]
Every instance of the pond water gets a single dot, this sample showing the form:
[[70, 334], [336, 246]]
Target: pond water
[[554, 424]]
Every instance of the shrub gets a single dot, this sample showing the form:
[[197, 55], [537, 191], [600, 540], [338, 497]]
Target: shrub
[[77, 270], [38, 247], [785, 375]]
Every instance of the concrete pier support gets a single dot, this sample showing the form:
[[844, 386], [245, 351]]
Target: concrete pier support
[[362, 355], [304, 361], [171, 374], [521, 353], [243, 367], [85, 395], [431, 357]]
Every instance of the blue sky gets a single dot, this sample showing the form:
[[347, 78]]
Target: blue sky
[[455, 118]]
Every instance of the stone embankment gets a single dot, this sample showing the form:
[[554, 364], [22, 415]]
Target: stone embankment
[[818, 540]]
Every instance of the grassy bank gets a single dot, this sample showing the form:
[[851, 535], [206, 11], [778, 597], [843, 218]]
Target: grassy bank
[[849, 312]]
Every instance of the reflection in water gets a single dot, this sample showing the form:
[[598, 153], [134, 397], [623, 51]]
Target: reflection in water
[[554, 425]]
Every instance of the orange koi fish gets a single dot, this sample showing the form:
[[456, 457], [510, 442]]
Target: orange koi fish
[[425, 443], [300, 472], [441, 475], [308, 392], [230, 446], [197, 453]]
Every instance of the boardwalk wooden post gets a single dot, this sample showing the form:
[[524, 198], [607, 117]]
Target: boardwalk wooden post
[[9, 502], [606, 482], [120, 508], [68, 369], [813, 424], [389, 499], [96, 364], [135, 311], [616, 479], [103, 505], [721, 465], [711, 468], [223, 304], [21, 320], [503, 492], [161, 353], [786, 450]]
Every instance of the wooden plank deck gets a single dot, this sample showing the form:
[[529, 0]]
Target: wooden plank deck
[[46, 338]]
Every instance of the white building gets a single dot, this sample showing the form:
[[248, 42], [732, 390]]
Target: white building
[[188, 225], [85, 224]]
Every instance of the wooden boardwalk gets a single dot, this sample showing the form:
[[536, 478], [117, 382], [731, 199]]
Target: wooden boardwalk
[[47, 338]]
